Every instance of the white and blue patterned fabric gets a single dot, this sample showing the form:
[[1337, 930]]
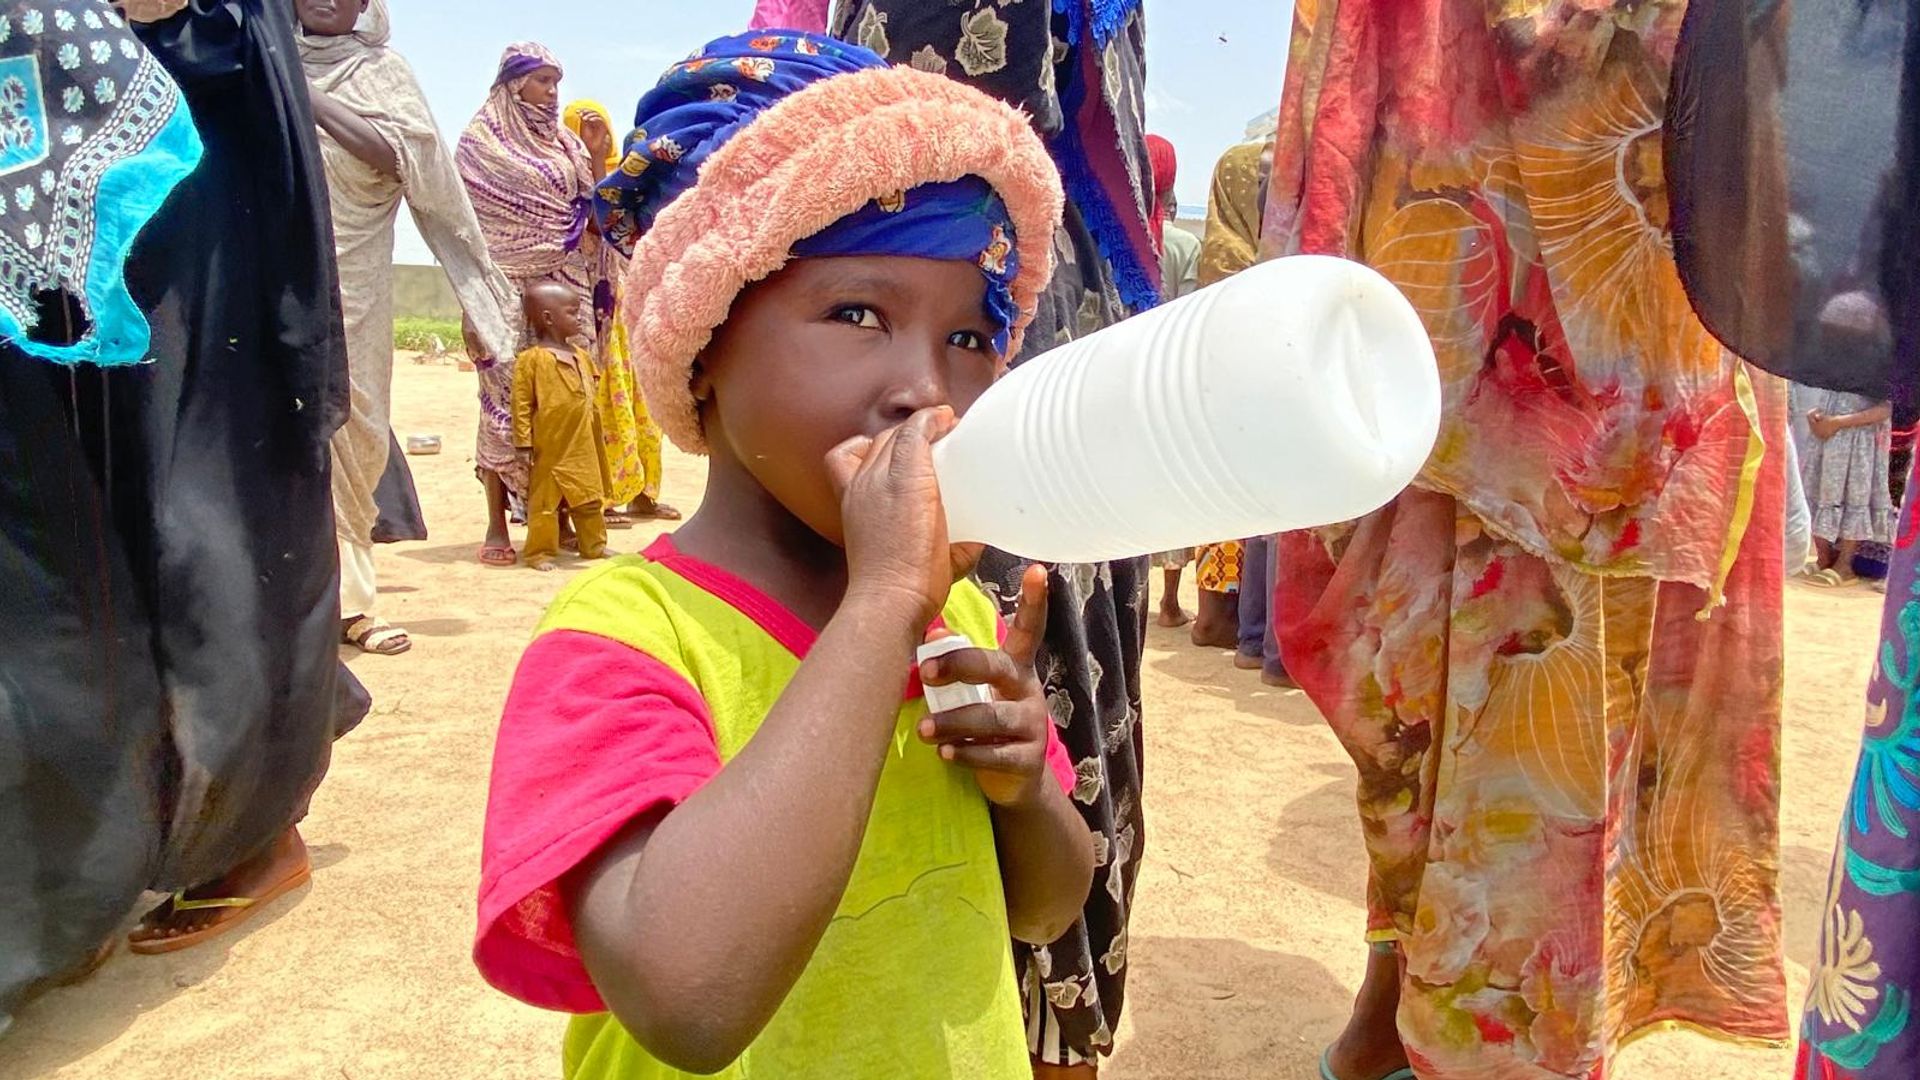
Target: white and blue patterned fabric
[[94, 135]]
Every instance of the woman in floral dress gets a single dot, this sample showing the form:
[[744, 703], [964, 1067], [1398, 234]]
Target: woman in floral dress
[[1556, 660]]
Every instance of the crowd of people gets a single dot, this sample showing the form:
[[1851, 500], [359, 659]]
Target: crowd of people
[[718, 832]]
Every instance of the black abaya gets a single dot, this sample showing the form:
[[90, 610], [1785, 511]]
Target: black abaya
[[169, 626]]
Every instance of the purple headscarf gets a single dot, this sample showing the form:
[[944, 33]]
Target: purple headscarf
[[529, 177]]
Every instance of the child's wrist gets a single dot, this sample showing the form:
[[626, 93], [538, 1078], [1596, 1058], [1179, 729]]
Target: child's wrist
[[879, 607]]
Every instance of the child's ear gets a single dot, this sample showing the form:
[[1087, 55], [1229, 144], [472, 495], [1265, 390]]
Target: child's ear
[[700, 383]]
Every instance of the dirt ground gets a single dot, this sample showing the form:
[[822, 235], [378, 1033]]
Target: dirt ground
[[1246, 937]]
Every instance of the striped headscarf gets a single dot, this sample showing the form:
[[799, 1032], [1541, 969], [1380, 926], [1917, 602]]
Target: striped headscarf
[[528, 176]]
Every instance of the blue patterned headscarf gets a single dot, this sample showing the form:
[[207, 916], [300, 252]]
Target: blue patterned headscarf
[[706, 100]]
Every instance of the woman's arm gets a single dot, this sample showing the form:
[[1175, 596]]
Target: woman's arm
[[1825, 427], [355, 134], [694, 927], [1865, 417]]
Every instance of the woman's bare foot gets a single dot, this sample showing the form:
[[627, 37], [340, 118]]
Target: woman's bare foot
[[1370, 1047], [1172, 615], [1217, 626], [283, 866]]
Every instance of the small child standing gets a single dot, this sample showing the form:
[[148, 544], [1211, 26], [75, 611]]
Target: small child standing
[[724, 828], [553, 429]]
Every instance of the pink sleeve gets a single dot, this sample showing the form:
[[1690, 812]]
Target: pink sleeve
[[790, 15], [1059, 761], [595, 735]]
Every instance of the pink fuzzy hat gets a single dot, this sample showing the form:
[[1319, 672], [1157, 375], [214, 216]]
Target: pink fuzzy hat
[[816, 156]]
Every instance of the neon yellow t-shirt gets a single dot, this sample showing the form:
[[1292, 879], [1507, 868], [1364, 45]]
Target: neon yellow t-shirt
[[914, 976]]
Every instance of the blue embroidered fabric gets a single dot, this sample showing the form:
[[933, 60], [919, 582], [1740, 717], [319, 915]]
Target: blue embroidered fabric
[[94, 135]]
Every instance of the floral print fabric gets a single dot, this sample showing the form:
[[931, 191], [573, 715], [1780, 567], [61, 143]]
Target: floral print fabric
[[1859, 1021], [1557, 661]]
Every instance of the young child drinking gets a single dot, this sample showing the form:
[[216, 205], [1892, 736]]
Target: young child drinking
[[723, 828], [553, 428]]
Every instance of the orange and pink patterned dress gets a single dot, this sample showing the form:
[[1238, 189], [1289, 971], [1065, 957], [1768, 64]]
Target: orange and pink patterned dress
[[1557, 660]]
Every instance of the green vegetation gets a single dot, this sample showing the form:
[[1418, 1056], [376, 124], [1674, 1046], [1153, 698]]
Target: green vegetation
[[419, 335]]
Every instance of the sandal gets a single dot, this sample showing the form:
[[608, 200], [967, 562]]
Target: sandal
[[619, 519], [658, 511], [1326, 1070], [373, 636], [499, 556], [241, 906]]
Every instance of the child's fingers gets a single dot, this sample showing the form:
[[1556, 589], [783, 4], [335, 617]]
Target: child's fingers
[[1010, 758], [844, 461], [1029, 618], [973, 724], [982, 667]]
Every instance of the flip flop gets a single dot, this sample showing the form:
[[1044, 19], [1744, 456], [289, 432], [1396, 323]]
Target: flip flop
[[376, 637], [1326, 1069], [499, 556], [618, 519], [241, 906], [1825, 579]]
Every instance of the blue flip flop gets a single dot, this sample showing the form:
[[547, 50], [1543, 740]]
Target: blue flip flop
[[1326, 1070]]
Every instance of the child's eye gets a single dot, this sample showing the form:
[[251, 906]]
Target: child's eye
[[858, 315], [969, 339]]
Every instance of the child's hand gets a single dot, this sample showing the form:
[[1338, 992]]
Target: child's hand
[[1005, 743], [893, 527], [1822, 425]]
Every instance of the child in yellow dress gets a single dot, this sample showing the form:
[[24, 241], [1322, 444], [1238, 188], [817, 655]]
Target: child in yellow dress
[[553, 429]]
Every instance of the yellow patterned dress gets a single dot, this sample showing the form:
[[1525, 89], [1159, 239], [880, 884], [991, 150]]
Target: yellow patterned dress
[[1557, 661], [629, 437]]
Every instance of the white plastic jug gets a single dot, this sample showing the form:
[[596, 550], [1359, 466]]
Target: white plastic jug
[[1300, 392]]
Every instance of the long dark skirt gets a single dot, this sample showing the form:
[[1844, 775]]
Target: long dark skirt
[[169, 674]]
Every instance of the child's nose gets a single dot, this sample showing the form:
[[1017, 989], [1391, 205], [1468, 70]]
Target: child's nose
[[920, 382]]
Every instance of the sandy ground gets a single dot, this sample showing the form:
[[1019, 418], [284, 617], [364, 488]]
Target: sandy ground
[[1245, 938]]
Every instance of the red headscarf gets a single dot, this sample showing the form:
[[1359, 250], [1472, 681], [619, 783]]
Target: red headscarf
[[1165, 164]]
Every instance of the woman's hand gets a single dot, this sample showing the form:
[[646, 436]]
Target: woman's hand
[[1005, 743], [599, 139], [149, 11], [893, 526], [1824, 427]]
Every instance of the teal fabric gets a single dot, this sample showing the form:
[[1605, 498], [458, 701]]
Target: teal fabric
[[94, 136]]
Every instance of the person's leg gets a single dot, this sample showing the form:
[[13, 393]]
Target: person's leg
[[590, 525], [358, 587], [1370, 1046], [359, 590], [543, 522], [1172, 615], [1843, 556], [1254, 598], [1273, 671], [498, 538], [1217, 570]]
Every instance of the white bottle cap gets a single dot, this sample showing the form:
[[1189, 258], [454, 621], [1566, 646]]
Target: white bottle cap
[[959, 695]]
